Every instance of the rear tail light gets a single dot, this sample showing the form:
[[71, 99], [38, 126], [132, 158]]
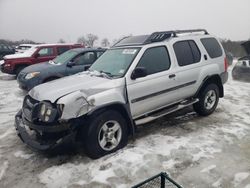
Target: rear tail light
[[225, 64]]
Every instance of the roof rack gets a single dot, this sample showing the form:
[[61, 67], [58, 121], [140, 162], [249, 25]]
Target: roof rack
[[154, 37], [161, 36]]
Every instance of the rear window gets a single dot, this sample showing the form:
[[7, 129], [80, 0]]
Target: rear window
[[187, 52], [62, 49], [212, 47]]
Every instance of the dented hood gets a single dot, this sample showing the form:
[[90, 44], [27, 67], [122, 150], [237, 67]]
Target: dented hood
[[87, 83]]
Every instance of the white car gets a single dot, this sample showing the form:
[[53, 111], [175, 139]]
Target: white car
[[23, 47], [138, 80]]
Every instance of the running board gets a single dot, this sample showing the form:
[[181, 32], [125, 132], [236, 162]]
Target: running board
[[163, 112]]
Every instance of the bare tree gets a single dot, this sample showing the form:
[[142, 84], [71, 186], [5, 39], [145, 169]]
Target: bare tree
[[105, 42], [82, 40], [61, 41], [91, 39]]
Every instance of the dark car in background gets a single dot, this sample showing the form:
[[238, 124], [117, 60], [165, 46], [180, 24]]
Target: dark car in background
[[23, 47], [5, 50], [13, 64], [68, 63], [241, 70]]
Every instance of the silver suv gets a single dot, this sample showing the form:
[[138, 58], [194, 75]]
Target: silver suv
[[140, 79]]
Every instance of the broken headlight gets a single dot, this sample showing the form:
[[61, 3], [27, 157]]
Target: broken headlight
[[31, 75], [47, 112]]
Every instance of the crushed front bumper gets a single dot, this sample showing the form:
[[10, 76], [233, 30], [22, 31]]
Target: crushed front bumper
[[36, 136]]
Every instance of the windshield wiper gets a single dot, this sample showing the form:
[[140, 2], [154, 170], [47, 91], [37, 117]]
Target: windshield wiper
[[107, 74], [101, 73]]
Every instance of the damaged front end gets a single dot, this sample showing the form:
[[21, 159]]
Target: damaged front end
[[45, 126]]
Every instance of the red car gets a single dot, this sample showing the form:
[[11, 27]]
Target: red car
[[13, 64]]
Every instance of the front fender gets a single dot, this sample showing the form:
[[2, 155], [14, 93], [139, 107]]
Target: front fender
[[74, 105]]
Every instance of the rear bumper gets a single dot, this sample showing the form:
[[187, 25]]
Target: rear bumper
[[34, 135]]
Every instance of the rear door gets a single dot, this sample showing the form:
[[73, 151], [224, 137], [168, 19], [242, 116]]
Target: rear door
[[157, 88], [188, 57]]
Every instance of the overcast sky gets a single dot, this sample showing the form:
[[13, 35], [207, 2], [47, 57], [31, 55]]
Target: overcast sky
[[50, 20]]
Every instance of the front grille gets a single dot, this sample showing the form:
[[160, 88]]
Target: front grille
[[30, 106]]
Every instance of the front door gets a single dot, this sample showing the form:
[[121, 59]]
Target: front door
[[45, 54]]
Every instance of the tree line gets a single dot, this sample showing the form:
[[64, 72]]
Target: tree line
[[90, 40]]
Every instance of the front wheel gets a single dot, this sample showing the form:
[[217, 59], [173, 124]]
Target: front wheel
[[106, 133], [19, 69], [208, 100]]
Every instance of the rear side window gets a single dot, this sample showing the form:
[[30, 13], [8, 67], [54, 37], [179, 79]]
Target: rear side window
[[62, 49], [187, 52], [212, 47], [155, 60]]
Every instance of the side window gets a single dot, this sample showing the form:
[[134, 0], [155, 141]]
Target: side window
[[187, 52], [62, 49], [5, 47], [98, 54], [195, 50], [155, 60], [86, 58], [212, 47], [46, 52]]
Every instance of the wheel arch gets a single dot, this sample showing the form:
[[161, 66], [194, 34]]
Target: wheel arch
[[215, 79], [24, 65], [122, 108]]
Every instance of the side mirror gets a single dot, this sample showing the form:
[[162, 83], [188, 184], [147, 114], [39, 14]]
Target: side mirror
[[86, 67], [71, 64], [139, 72]]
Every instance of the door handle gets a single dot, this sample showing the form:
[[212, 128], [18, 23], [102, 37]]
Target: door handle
[[205, 57], [171, 76]]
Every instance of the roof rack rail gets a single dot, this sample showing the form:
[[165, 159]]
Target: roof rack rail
[[190, 31], [163, 35]]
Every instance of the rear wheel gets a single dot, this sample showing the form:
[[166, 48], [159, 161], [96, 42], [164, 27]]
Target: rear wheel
[[106, 133], [208, 100]]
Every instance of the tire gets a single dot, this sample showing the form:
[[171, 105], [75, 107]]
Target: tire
[[99, 137], [208, 100], [19, 69]]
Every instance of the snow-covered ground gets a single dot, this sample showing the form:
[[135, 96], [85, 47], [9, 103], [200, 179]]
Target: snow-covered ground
[[198, 152]]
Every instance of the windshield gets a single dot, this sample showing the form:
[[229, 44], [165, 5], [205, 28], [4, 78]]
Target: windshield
[[65, 57], [30, 51], [115, 62]]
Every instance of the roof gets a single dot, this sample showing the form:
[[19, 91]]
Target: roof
[[155, 37]]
